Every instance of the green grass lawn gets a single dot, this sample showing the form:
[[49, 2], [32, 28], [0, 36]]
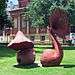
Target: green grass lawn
[[8, 62]]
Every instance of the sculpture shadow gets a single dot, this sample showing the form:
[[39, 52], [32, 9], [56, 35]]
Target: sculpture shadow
[[63, 65], [35, 65], [67, 65]]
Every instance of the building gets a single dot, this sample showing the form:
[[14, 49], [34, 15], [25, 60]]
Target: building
[[19, 23]]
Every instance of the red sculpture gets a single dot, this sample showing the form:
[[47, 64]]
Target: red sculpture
[[24, 48], [58, 26], [59, 22], [52, 57], [26, 57]]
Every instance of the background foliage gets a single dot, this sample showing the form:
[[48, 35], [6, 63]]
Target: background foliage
[[38, 11], [4, 20]]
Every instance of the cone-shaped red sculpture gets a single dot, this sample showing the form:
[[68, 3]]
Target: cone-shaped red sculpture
[[20, 42], [24, 47], [26, 57]]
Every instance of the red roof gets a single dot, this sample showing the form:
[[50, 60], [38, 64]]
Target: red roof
[[23, 3]]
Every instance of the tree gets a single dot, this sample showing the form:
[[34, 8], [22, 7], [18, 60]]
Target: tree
[[38, 11], [4, 21], [72, 13]]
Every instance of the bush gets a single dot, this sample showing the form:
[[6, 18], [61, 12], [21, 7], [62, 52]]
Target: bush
[[69, 42]]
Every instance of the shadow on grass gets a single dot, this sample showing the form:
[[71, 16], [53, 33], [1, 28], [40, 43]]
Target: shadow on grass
[[6, 52], [35, 65], [67, 66], [64, 66], [69, 48]]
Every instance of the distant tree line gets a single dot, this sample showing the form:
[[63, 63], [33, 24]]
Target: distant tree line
[[4, 19], [38, 11]]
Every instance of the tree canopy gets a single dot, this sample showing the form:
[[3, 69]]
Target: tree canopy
[[4, 20], [38, 11]]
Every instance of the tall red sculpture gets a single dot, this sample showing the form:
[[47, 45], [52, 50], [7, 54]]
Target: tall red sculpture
[[58, 27]]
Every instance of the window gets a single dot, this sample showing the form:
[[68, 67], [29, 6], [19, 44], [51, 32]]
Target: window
[[72, 29], [42, 38], [32, 38], [1, 39]]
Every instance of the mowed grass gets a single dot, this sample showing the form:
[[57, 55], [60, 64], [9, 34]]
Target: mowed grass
[[8, 62]]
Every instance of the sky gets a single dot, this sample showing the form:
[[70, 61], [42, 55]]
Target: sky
[[14, 1]]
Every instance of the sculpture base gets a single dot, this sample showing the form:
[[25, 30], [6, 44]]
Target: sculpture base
[[49, 58], [26, 57]]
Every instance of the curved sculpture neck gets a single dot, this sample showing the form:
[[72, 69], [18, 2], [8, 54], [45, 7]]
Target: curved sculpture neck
[[56, 44]]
